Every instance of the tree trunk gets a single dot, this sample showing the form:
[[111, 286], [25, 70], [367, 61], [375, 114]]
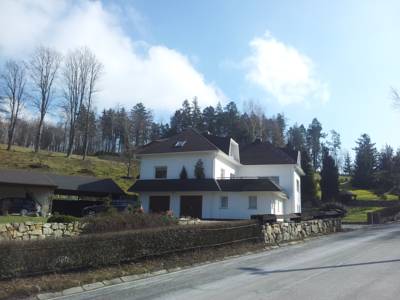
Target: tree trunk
[[10, 134], [39, 135]]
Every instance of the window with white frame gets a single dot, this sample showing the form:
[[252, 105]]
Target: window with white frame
[[252, 202], [160, 172], [222, 173], [223, 202]]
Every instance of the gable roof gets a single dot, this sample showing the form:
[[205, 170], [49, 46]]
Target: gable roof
[[264, 153], [85, 185], [194, 141]]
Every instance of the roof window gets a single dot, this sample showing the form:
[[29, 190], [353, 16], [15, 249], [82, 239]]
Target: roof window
[[180, 144]]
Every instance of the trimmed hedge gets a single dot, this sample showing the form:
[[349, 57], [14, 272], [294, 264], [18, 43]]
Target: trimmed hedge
[[25, 258], [125, 221], [62, 219]]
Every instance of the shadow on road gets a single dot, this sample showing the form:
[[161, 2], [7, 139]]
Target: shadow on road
[[258, 271]]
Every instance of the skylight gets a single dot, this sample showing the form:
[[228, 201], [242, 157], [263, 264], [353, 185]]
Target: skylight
[[180, 144]]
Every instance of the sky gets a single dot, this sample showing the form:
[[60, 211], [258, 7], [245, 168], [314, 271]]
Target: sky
[[333, 60]]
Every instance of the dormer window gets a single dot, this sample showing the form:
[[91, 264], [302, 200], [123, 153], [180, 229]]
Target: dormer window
[[179, 144]]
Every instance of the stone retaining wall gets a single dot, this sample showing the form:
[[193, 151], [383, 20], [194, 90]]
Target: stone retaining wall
[[38, 230], [286, 232]]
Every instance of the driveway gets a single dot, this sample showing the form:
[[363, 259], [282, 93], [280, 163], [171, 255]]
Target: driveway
[[361, 264]]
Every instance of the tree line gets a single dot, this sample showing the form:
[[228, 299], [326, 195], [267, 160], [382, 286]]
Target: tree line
[[48, 81]]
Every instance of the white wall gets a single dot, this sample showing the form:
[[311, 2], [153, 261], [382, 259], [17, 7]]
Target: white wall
[[238, 203], [222, 163], [286, 174], [174, 163]]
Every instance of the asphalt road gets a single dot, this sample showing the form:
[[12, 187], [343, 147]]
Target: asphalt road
[[362, 264]]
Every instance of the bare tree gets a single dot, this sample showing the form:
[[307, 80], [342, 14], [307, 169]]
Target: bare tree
[[13, 82], [95, 68], [43, 67], [81, 73], [396, 98]]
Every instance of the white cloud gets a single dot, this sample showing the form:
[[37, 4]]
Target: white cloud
[[158, 76], [283, 72]]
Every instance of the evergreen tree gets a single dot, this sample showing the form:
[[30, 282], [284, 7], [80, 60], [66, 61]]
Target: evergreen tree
[[183, 174], [348, 166], [365, 163], [199, 170], [314, 136], [308, 183], [329, 178]]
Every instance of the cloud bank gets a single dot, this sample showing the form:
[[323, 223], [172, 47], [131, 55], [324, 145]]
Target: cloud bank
[[283, 72], [158, 76]]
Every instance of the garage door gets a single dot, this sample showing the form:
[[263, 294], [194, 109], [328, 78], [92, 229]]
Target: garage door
[[159, 204], [191, 206]]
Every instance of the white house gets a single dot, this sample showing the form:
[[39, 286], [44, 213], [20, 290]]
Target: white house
[[239, 181]]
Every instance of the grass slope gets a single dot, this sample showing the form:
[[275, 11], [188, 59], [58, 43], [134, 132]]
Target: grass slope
[[25, 158], [358, 214]]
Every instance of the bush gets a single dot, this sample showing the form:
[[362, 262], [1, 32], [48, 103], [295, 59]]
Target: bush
[[24, 258], [62, 219], [112, 222]]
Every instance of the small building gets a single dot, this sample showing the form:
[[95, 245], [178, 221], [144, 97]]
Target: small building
[[41, 187], [239, 180]]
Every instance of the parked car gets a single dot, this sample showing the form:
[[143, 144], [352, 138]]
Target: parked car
[[22, 206], [120, 205]]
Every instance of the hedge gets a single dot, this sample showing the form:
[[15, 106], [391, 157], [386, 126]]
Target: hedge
[[25, 258], [125, 221]]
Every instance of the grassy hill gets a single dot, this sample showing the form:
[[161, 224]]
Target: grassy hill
[[25, 158]]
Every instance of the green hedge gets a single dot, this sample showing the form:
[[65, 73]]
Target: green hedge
[[24, 258], [126, 221], [62, 219]]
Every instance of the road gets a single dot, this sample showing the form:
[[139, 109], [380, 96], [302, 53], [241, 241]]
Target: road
[[361, 264]]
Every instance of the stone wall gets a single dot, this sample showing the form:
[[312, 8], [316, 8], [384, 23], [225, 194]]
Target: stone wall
[[286, 232], [38, 230]]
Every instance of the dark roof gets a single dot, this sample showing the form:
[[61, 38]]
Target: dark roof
[[20, 177], [264, 153], [170, 185], [246, 184], [195, 141], [223, 143], [62, 184], [85, 185], [224, 185]]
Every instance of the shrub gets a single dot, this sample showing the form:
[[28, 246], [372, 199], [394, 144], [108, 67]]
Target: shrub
[[23, 258], [62, 219], [125, 221]]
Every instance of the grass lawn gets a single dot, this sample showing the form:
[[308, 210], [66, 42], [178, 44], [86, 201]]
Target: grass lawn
[[359, 214], [20, 219], [25, 158], [370, 195]]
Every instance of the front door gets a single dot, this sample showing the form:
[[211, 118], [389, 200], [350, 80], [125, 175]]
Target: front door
[[159, 204], [191, 206]]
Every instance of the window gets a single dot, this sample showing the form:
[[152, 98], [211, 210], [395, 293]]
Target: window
[[223, 202], [252, 202], [161, 172], [180, 144], [298, 185], [222, 173]]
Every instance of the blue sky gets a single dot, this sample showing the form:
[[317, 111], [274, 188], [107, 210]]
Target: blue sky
[[334, 60]]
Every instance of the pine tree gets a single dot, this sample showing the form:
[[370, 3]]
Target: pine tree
[[348, 166], [329, 178], [308, 183], [183, 174], [365, 163]]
